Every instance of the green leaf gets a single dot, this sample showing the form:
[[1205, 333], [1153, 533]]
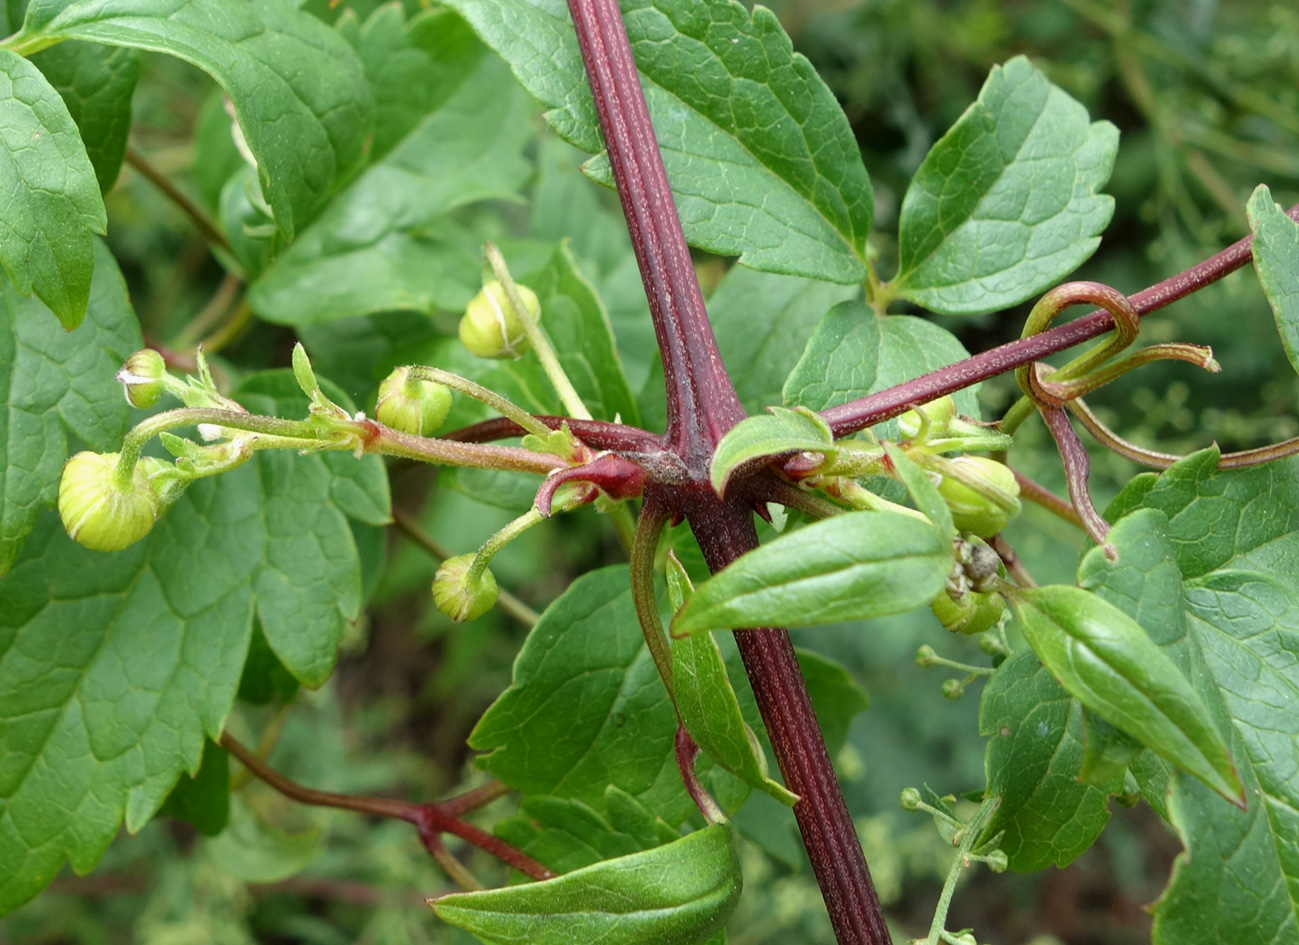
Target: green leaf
[[203, 799], [762, 322], [736, 112], [708, 706], [96, 83], [855, 352], [776, 433], [1235, 534], [384, 243], [1104, 658], [1246, 623], [566, 834], [586, 687], [1034, 753], [114, 667], [850, 567], [55, 383], [52, 201], [256, 852], [1006, 203], [923, 492], [1276, 260], [676, 894], [298, 90], [577, 324]]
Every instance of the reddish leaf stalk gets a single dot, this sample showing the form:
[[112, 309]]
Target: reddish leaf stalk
[[876, 408], [430, 820]]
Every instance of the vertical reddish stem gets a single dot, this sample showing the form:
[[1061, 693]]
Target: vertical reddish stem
[[702, 404], [823, 818]]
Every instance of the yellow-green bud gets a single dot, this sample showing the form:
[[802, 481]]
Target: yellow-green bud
[[411, 404], [491, 329], [982, 494], [910, 799], [972, 613], [940, 413], [98, 513], [952, 689], [141, 377], [460, 597]]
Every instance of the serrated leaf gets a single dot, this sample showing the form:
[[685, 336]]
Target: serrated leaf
[[96, 83], [1034, 752], [1235, 534], [1276, 260], [384, 243], [55, 383], [676, 894], [855, 352], [114, 667], [1104, 659], [203, 799], [52, 200], [577, 324], [297, 87], [850, 567], [736, 113], [586, 687], [1006, 202], [778, 432]]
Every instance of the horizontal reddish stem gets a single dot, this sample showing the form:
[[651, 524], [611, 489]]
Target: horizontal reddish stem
[[876, 408]]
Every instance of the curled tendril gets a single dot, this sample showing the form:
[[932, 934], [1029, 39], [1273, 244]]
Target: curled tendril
[[1127, 323]]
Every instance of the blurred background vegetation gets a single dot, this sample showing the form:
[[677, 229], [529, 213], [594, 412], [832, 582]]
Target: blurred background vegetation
[[1206, 95]]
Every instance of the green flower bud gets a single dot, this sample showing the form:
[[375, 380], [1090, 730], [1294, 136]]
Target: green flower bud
[[953, 689], [142, 377], [460, 597], [982, 494], [997, 861], [491, 329], [910, 799], [970, 613], [411, 404], [940, 413], [925, 655], [96, 511]]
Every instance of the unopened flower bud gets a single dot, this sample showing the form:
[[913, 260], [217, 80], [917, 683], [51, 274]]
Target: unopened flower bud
[[411, 404], [141, 377], [970, 613], [939, 413], [490, 327], [96, 511], [953, 689], [925, 655], [910, 799], [458, 595], [982, 494]]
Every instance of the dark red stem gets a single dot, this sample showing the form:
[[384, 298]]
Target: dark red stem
[[701, 401], [823, 818], [876, 408], [598, 434], [429, 819]]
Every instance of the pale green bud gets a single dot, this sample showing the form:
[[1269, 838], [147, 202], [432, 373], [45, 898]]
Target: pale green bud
[[96, 511], [411, 404], [982, 494], [142, 377], [491, 329], [970, 613], [910, 799], [940, 413], [458, 595]]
